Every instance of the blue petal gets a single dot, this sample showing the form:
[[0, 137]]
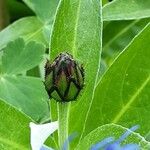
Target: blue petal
[[114, 146], [102, 143], [127, 133]]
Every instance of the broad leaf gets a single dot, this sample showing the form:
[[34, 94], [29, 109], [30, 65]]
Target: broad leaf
[[45, 10], [126, 10], [122, 96], [14, 129], [19, 57], [81, 37], [112, 130], [29, 28], [26, 94]]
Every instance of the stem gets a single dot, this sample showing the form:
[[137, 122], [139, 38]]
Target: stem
[[53, 110], [63, 114]]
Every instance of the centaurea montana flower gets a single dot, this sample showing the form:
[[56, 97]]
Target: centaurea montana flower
[[39, 133]]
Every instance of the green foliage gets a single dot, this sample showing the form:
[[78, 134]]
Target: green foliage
[[14, 129], [32, 28], [44, 10], [70, 30], [115, 131], [25, 93], [122, 96], [28, 28], [120, 35], [126, 10], [25, 56], [110, 102]]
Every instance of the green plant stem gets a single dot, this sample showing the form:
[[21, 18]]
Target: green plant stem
[[63, 114]]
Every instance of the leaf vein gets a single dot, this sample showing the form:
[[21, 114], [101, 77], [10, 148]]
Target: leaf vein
[[132, 99]]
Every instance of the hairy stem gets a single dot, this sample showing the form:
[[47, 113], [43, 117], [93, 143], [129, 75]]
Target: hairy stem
[[63, 114]]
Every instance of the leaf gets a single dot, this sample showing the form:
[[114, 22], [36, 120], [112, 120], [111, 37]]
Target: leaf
[[19, 57], [17, 10], [44, 10], [29, 28], [122, 96], [34, 72], [14, 129], [126, 10], [27, 94], [105, 2], [81, 37], [120, 34], [111, 130]]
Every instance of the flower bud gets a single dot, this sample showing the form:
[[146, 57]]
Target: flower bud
[[64, 78]]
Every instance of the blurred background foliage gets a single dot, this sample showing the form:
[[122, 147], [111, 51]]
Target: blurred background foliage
[[19, 18], [11, 10], [116, 34]]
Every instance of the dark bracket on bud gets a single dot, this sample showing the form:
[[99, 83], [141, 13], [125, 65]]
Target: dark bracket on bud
[[64, 78]]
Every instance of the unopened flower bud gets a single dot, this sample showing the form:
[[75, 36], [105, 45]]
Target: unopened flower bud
[[64, 78]]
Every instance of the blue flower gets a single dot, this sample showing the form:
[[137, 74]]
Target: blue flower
[[110, 144], [39, 133]]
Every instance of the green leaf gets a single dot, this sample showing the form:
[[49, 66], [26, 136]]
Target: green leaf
[[14, 129], [105, 2], [120, 35], [29, 28], [111, 130], [27, 94], [126, 10], [122, 95], [34, 72], [24, 93], [81, 37], [45, 10], [19, 57], [17, 10]]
